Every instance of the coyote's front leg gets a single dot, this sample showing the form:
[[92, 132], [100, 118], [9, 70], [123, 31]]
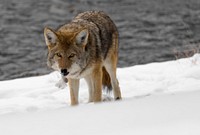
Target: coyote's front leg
[[74, 89], [97, 84]]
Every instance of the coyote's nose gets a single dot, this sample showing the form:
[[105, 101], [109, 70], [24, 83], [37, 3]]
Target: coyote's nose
[[64, 72]]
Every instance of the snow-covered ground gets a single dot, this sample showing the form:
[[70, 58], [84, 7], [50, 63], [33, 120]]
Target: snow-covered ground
[[158, 99]]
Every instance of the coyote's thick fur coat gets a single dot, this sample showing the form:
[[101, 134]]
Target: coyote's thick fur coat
[[87, 47]]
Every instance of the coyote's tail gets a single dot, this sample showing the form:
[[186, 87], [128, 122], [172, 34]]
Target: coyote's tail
[[106, 81]]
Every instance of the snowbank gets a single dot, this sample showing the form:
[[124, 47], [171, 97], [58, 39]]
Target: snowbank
[[158, 98]]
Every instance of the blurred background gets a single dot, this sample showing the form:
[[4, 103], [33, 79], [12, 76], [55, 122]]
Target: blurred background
[[150, 30]]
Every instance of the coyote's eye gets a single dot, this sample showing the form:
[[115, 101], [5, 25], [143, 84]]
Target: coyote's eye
[[71, 55], [58, 55]]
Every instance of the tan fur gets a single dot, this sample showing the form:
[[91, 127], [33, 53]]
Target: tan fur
[[87, 47], [106, 82]]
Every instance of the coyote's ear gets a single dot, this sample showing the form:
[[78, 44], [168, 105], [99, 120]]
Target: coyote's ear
[[50, 36], [82, 37]]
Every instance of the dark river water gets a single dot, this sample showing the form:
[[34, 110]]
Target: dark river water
[[150, 30]]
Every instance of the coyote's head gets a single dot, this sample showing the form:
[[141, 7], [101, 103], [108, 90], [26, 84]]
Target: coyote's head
[[66, 50]]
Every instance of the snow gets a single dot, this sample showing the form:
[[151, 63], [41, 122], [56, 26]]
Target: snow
[[158, 98]]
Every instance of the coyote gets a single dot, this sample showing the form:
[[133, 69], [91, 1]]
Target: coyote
[[87, 47]]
